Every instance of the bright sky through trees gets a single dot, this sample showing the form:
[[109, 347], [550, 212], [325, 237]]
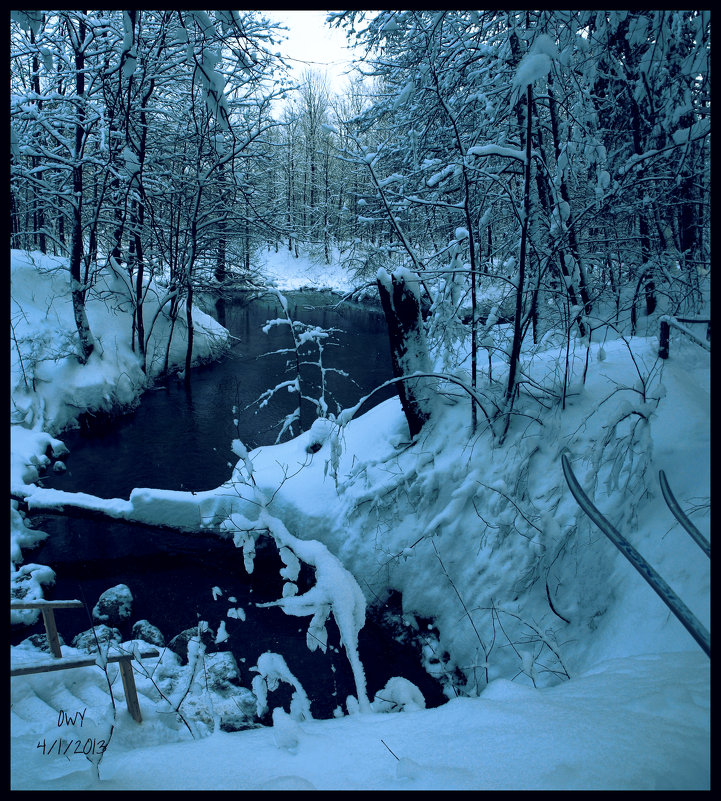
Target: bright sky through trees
[[311, 44]]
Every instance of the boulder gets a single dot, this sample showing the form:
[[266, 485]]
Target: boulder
[[40, 641], [114, 605], [221, 673], [85, 641], [238, 711], [144, 630], [179, 643]]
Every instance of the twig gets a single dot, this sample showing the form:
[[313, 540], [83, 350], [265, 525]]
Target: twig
[[550, 603], [465, 609], [386, 745]]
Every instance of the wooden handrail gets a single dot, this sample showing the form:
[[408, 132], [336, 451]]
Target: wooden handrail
[[654, 580], [46, 607], [667, 322], [66, 663], [42, 604]]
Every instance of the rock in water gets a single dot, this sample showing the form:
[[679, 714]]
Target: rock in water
[[179, 643], [114, 605], [144, 630], [86, 640]]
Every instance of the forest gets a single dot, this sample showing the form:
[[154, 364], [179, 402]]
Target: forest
[[526, 196], [559, 158]]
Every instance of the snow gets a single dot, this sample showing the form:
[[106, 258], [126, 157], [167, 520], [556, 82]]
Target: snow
[[271, 670], [291, 274], [49, 387], [497, 150], [617, 727], [440, 176], [371, 514], [533, 67], [398, 694]]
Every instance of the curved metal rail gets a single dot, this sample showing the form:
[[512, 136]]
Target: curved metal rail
[[660, 587], [679, 514]]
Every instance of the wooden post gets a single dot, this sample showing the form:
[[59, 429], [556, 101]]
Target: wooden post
[[663, 339], [52, 631], [131, 692]]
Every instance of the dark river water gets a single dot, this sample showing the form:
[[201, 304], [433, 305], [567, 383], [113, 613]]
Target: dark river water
[[179, 438]]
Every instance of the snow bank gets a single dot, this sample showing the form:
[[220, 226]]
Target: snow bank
[[633, 724], [50, 388], [289, 272], [444, 524]]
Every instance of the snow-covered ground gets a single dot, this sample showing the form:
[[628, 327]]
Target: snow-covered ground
[[603, 689], [289, 273]]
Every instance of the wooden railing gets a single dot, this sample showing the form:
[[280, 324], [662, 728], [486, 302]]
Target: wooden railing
[[667, 322], [60, 662]]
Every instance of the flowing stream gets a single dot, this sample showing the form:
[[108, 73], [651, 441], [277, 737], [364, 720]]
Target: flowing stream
[[179, 438]]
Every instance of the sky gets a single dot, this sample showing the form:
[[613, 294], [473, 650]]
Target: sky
[[311, 44]]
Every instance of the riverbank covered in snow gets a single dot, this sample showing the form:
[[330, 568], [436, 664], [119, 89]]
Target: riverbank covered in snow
[[563, 669], [50, 389]]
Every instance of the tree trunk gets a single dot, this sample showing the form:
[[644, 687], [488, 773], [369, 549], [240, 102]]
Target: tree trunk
[[574, 250], [76, 246], [644, 234], [409, 351], [220, 266], [140, 325], [220, 270], [189, 322], [38, 209], [138, 229], [14, 219], [173, 314], [520, 279]]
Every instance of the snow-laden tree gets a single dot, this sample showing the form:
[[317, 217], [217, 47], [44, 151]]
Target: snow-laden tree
[[56, 119], [318, 182], [538, 163], [209, 111], [135, 136], [648, 77]]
